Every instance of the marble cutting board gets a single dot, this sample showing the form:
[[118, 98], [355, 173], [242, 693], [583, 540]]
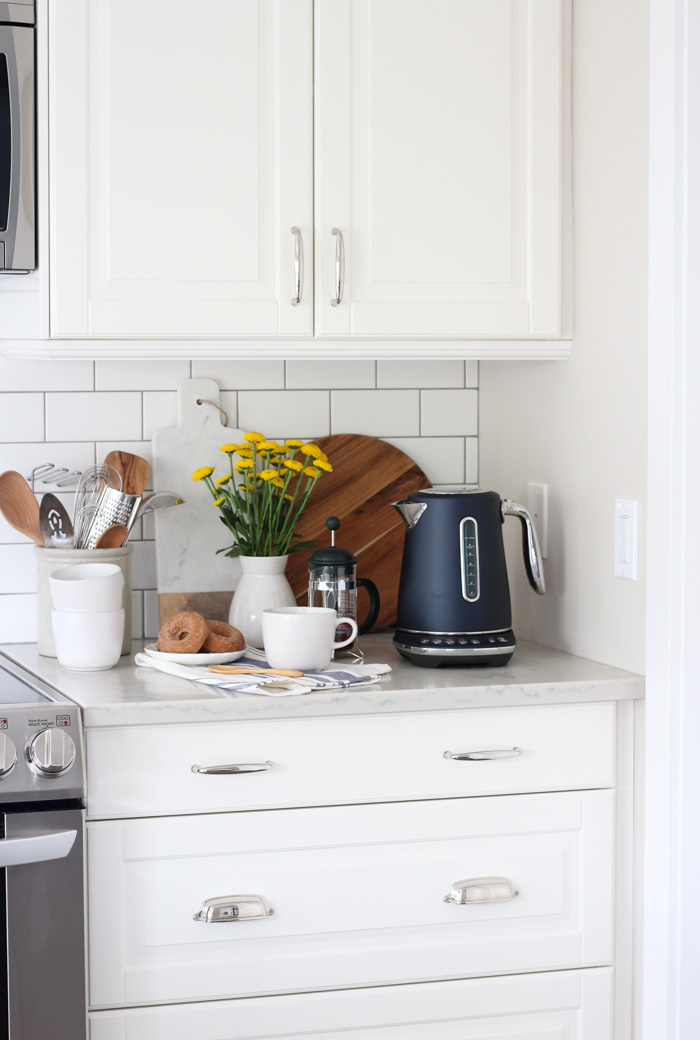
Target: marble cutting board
[[190, 574]]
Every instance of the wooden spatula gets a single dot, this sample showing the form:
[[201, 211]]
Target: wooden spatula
[[112, 538], [229, 669], [133, 470], [19, 506]]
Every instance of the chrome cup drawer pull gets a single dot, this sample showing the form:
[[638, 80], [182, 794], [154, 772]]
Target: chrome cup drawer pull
[[481, 890], [243, 767], [481, 756], [233, 908]]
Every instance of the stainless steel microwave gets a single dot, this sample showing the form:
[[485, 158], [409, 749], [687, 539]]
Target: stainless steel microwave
[[17, 135]]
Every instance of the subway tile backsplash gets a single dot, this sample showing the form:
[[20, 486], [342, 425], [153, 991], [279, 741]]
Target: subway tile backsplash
[[71, 413]]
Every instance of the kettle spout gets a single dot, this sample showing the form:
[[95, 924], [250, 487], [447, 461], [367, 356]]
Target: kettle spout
[[410, 512]]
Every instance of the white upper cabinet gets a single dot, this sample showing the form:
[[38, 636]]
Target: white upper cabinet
[[180, 160], [438, 158], [419, 152]]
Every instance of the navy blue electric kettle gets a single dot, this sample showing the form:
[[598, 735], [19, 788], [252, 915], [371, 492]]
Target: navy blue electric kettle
[[454, 598]]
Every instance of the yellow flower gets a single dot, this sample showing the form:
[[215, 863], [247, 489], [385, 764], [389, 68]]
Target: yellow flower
[[268, 474], [204, 471], [324, 465], [220, 501], [244, 451], [293, 465], [278, 482], [293, 443], [290, 498], [229, 448], [313, 450], [269, 446], [254, 438], [251, 485], [222, 480], [244, 464], [311, 471], [275, 459]]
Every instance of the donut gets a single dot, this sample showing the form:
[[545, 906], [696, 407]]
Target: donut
[[223, 638], [183, 633]]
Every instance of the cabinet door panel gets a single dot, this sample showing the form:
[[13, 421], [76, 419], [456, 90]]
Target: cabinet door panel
[[357, 894], [552, 1006], [438, 138], [180, 161]]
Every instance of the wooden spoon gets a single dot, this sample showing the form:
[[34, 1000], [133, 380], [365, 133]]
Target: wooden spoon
[[19, 506], [113, 538], [229, 669], [133, 470]]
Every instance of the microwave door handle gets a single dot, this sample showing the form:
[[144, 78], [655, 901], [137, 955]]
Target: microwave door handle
[[16, 852], [531, 548]]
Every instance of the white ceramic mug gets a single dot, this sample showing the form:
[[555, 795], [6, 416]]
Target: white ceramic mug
[[303, 637], [88, 642], [87, 588]]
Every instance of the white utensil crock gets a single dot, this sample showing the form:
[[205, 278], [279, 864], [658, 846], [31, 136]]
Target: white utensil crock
[[50, 560]]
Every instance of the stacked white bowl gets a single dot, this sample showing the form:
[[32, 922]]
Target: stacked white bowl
[[88, 615]]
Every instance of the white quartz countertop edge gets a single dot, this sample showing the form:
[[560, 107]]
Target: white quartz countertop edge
[[130, 696]]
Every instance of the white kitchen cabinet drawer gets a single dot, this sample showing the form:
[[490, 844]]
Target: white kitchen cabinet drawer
[[148, 770], [357, 894], [572, 1005]]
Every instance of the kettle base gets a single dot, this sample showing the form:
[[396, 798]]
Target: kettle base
[[434, 650]]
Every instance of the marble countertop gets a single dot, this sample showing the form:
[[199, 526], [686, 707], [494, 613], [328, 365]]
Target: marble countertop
[[129, 696]]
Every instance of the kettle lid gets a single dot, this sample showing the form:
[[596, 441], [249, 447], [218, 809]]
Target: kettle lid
[[450, 489]]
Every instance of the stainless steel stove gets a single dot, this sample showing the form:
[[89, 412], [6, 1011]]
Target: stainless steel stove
[[42, 819]]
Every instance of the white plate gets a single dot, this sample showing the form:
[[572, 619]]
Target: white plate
[[233, 655]]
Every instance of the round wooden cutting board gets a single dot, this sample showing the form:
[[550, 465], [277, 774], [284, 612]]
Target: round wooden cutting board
[[368, 475]]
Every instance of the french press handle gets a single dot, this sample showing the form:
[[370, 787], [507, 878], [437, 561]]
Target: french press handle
[[373, 604]]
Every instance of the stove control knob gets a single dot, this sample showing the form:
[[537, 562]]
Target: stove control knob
[[8, 755], [51, 752]]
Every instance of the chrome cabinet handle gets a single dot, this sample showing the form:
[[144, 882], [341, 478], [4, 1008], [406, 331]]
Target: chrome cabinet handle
[[243, 767], [481, 890], [339, 266], [298, 266], [233, 908], [481, 756]]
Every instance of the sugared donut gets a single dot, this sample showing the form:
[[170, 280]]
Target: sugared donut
[[223, 638], [183, 633]]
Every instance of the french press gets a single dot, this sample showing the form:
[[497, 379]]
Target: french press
[[333, 583]]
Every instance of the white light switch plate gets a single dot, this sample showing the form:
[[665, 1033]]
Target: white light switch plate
[[537, 508], [627, 539]]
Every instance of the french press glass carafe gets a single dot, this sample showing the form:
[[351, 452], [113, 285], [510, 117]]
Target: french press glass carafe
[[333, 582]]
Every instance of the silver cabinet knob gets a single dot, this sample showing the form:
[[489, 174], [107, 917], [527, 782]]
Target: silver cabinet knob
[[481, 890], [51, 752], [224, 909], [8, 755]]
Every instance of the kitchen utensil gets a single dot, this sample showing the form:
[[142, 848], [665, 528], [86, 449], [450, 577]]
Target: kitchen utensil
[[88, 642], [19, 506], [368, 475], [113, 537], [54, 523], [454, 600], [190, 574], [133, 470], [113, 508], [92, 484], [227, 669], [158, 500], [333, 583], [193, 659], [87, 588], [303, 637]]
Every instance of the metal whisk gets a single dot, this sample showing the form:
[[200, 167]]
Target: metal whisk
[[91, 487]]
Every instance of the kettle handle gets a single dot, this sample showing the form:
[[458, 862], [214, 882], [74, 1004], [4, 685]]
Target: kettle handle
[[531, 548], [373, 604]]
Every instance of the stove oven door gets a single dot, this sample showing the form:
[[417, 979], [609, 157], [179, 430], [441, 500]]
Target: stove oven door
[[42, 962]]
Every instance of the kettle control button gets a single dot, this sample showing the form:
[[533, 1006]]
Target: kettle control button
[[425, 642], [492, 640], [462, 642], [476, 642], [437, 642], [502, 639], [449, 642]]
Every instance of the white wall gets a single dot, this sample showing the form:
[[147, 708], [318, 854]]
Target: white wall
[[71, 413], [580, 426]]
